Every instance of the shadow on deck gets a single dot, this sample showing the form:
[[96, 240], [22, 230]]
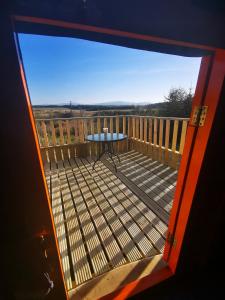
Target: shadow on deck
[[111, 227]]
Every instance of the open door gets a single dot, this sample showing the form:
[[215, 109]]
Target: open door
[[207, 95]]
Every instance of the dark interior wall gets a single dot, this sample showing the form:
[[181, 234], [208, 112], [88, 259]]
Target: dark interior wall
[[197, 21], [24, 204]]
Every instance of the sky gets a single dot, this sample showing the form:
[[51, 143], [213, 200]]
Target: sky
[[60, 70]]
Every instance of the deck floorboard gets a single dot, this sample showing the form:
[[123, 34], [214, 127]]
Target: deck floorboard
[[105, 219]]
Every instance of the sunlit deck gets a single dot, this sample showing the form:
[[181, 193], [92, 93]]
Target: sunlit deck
[[111, 226], [106, 220]]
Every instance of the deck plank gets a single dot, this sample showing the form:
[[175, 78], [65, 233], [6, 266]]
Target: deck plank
[[133, 205], [152, 205], [106, 220], [163, 174], [81, 268], [142, 242], [145, 175], [126, 243], [111, 247], [57, 211], [96, 252]]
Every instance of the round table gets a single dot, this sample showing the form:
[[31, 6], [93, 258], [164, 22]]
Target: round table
[[106, 140]]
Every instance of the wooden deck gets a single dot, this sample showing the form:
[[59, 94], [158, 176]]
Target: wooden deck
[[105, 220]]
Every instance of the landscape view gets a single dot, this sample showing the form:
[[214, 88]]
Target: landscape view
[[72, 77], [177, 103]]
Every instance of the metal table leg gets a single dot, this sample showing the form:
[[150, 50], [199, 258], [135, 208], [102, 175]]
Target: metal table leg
[[107, 148]]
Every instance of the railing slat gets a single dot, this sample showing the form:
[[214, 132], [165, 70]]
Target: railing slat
[[68, 132], [124, 125], [117, 124], [167, 140], [85, 122], [161, 124], [183, 136], [134, 129], [175, 131], [145, 129], [45, 135], [150, 131], [44, 155], [51, 154], [137, 128], [141, 129], [129, 129], [76, 130], [81, 131], [54, 142], [105, 123], [38, 128], [155, 131], [92, 127], [61, 136], [98, 125], [167, 137], [160, 132], [111, 125]]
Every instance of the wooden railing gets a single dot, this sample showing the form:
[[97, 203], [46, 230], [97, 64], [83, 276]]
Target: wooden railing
[[160, 138]]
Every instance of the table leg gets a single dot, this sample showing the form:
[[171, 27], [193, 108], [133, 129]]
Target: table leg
[[115, 153], [99, 155], [111, 153]]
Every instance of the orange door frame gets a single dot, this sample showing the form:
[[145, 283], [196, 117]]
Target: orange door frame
[[209, 85]]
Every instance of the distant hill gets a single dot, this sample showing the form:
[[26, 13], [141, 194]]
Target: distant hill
[[113, 104], [122, 103]]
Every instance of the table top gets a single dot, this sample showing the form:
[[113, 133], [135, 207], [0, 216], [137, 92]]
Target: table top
[[105, 137]]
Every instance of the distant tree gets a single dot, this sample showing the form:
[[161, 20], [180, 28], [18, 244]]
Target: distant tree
[[178, 103]]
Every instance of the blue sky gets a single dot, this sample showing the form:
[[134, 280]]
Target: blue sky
[[60, 70]]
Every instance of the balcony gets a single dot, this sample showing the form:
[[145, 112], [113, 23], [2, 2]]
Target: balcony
[[111, 226]]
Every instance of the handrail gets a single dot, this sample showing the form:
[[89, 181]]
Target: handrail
[[113, 116]]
